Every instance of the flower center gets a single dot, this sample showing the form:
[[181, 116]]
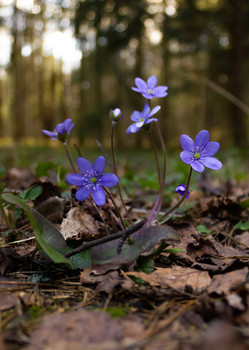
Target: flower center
[[150, 92], [196, 155], [142, 120], [93, 180]]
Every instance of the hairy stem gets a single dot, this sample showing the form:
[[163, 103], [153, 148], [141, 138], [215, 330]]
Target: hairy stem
[[69, 157], [162, 219]]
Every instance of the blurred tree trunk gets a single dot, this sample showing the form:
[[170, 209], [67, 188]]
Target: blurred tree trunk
[[237, 34], [16, 69]]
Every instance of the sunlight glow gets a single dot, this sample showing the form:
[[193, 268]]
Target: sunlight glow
[[5, 46], [63, 46]]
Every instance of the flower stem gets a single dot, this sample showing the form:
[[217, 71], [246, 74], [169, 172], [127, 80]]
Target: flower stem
[[164, 154], [69, 157], [164, 217], [115, 206], [115, 171]]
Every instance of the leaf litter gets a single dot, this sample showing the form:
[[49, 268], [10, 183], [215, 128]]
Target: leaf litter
[[194, 297]]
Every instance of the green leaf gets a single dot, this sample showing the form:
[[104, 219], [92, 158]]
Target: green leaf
[[203, 229], [242, 225], [81, 260], [31, 193], [244, 204], [2, 171], [173, 250], [145, 264], [48, 237], [43, 168]]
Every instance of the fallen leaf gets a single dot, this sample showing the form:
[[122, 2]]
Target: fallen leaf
[[107, 282], [7, 301], [79, 225], [226, 282], [177, 277], [84, 329], [235, 301]]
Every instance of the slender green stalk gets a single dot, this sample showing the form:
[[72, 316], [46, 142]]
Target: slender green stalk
[[164, 154], [164, 217], [69, 157], [115, 170], [115, 206]]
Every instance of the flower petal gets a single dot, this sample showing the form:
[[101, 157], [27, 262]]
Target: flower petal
[[186, 157], [139, 124], [75, 179], [202, 138], [148, 96], [109, 180], [82, 193], [132, 129], [212, 163], [212, 148], [141, 84], [67, 123], [84, 165], [151, 82], [50, 133], [186, 142], [146, 111], [136, 116], [99, 196], [70, 128], [160, 91], [60, 128], [99, 164], [136, 89], [149, 120], [154, 110], [197, 166]]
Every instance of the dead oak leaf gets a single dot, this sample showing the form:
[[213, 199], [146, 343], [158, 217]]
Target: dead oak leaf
[[177, 277], [224, 283]]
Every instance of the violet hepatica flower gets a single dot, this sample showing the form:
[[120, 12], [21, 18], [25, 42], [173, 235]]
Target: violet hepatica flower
[[199, 153], [92, 180], [143, 118], [61, 131], [181, 190], [149, 89]]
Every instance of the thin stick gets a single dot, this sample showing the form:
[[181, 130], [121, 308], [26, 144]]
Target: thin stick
[[115, 171], [115, 206], [87, 245]]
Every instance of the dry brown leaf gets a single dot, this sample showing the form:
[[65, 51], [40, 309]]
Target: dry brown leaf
[[84, 329], [107, 282], [224, 283], [79, 225], [7, 301], [176, 277], [235, 301]]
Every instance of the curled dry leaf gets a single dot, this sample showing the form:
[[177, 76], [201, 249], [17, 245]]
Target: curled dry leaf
[[224, 283], [79, 225], [177, 277]]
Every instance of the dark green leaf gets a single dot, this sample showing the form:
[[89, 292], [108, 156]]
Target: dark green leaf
[[31, 193]]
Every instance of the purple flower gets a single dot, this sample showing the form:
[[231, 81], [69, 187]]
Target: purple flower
[[115, 114], [149, 89], [92, 180], [199, 153], [142, 118], [61, 131], [181, 190]]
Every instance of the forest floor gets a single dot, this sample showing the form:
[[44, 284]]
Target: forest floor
[[192, 295]]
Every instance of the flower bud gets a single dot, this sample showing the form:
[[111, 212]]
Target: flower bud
[[115, 115]]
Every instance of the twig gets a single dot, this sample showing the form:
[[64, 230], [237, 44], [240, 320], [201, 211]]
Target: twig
[[96, 242]]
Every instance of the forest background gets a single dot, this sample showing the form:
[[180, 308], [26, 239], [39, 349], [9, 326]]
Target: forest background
[[77, 59]]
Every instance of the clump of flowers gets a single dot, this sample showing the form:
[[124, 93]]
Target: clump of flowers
[[92, 180], [61, 131]]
